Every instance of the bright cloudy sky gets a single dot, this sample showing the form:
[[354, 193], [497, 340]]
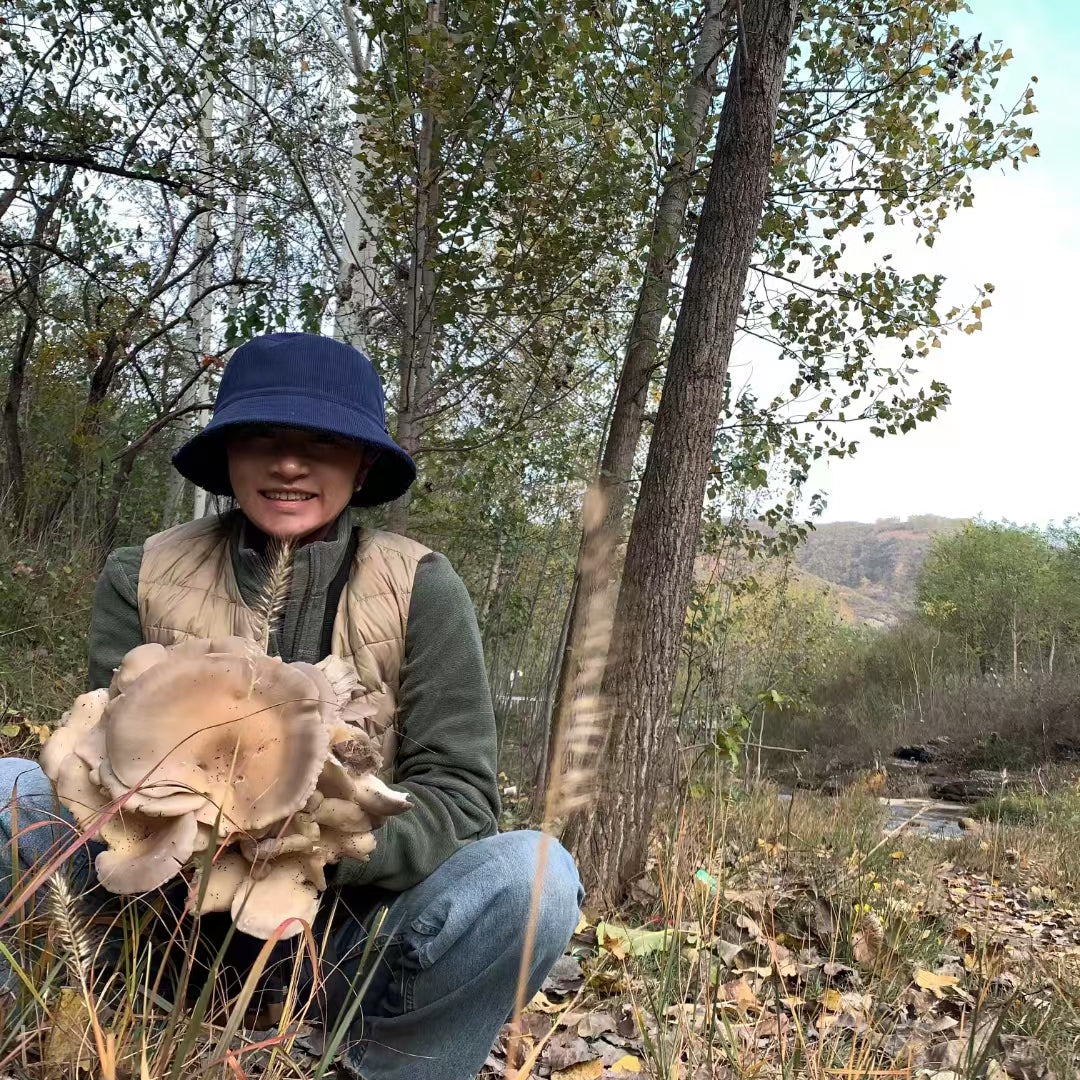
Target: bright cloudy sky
[[1008, 446]]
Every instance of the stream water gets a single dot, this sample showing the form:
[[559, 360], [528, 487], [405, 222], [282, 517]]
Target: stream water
[[926, 815], [929, 817]]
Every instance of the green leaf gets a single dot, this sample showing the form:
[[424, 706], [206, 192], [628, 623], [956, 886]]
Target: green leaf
[[634, 941]]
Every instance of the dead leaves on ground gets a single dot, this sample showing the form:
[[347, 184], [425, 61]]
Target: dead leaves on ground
[[775, 969]]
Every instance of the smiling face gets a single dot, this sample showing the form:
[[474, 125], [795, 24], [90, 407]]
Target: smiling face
[[292, 483]]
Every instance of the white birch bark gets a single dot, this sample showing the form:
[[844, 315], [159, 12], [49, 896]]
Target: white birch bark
[[200, 313], [356, 257]]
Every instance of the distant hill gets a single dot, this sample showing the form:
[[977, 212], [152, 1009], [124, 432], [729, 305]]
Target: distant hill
[[870, 569]]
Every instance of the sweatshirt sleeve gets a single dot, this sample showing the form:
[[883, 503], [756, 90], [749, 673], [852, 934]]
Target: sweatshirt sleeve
[[447, 755], [114, 615]]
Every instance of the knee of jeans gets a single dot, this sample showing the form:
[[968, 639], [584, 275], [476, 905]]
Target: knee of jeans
[[560, 895], [24, 780]]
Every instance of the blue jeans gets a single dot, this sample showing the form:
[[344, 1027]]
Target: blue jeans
[[448, 951]]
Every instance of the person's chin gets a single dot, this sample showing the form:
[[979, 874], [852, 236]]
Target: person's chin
[[287, 526]]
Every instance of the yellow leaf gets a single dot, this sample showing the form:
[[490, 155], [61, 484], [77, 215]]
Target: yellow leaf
[[739, 993], [1006, 56], [69, 1042], [586, 1070], [928, 980], [897, 855], [832, 1000], [628, 1064]]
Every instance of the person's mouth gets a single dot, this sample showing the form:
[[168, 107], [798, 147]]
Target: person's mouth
[[286, 495]]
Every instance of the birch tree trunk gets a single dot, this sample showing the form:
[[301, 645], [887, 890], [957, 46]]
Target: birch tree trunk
[[200, 307], [654, 304], [356, 259], [417, 341], [611, 843]]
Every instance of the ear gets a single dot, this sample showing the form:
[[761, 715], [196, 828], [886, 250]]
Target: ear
[[369, 459]]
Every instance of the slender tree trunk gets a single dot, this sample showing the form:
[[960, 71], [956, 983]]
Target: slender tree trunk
[[492, 582], [106, 362], [1015, 652], [654, 306], [418, 336], [356, 260], [611, 843], [198, 334], [44, 230]]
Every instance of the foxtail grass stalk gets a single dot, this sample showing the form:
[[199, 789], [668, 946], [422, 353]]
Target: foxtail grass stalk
[[579, 736]]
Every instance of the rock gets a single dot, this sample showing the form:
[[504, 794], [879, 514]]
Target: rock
[[980, 784], [924, 753]]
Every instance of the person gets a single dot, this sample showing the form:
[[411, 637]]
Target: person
[[298, 437]]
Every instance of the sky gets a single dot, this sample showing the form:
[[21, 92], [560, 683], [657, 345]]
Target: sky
[[1007, 447]]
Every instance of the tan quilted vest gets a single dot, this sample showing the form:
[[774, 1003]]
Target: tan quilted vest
[[188, 588]]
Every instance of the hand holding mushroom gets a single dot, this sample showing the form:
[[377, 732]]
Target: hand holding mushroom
[[213, 745]]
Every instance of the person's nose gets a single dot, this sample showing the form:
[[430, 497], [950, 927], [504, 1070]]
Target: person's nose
[[288, 464]]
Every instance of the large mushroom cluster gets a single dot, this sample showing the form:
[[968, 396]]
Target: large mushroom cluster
[[211, 754]]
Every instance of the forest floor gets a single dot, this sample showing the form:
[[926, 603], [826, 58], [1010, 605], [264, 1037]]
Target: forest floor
[[815, 938], [809, 937]]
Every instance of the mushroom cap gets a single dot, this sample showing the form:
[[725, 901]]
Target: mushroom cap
[[144, 853], [200, 724], [83, 716], [77, 792], [234, 646], [135, 662], [146, 800], [260, 907], [330, 703], [227, 873]]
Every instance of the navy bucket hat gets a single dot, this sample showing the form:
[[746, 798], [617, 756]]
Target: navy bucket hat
[[304, 381]]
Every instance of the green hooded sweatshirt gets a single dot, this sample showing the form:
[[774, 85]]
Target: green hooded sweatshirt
[[447, 754]]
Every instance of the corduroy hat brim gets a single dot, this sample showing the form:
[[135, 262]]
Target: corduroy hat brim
[[203, 459]]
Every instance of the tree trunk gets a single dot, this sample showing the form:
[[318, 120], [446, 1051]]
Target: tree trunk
[[654, 305], [200, 311], [611, 843], [44, 230], [492, 582], [107, 360], [1015, 651], [356, 259], [418, 335]]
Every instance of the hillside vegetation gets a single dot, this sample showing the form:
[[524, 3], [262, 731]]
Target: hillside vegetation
[[871, 570]]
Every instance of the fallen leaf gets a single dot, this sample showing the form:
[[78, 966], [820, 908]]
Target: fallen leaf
[[68, 1045], [587, 1070], [564, 978], [596, 1024], [739, 993], [567, 1049], [542, 1004], [628, 1064], [633, 941], [928, 980], [728, 951]]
